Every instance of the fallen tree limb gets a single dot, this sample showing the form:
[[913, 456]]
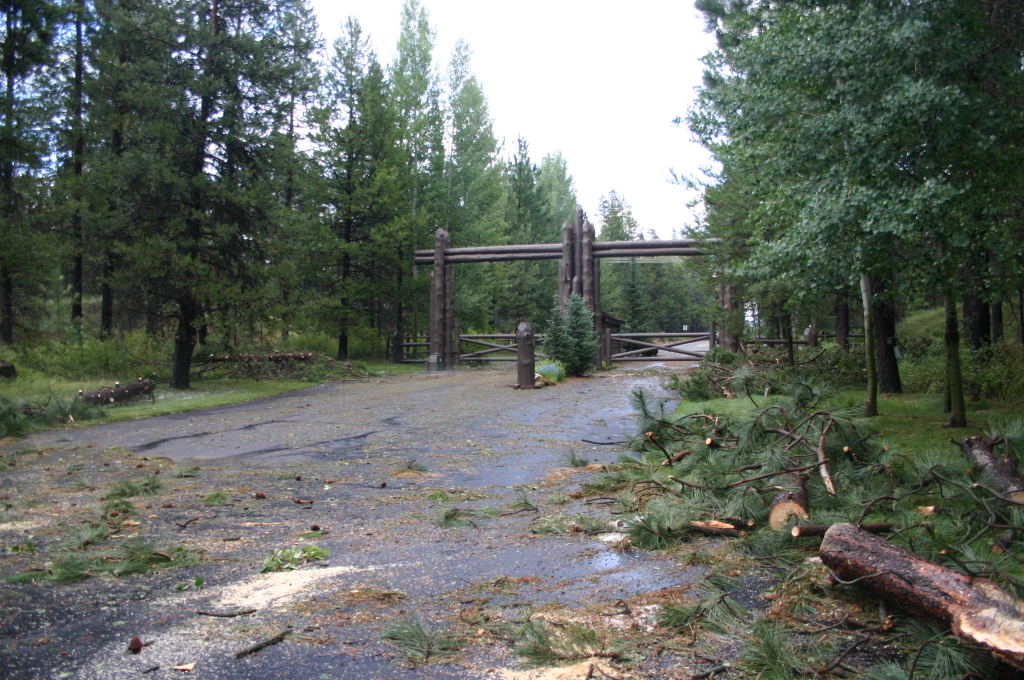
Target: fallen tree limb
[[976, 609], [259, 646], [805, 530], [1002, 470]]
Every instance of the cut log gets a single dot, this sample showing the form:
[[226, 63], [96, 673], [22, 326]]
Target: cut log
[[118, 393], [7, 370], [805, 530], [1002, 470], [789, 503], [975, 608]]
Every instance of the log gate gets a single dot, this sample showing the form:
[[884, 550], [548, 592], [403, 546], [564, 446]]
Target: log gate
[[579, 258]]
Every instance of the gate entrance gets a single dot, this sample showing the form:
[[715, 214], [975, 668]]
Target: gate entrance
[[579, 271]]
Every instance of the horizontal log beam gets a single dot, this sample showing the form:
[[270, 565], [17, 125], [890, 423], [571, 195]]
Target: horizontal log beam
[[670, 358], [626, 336]]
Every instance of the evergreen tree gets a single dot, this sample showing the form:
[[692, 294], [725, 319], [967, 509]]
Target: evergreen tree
[[362, 164], [570, 338], [26, 40]]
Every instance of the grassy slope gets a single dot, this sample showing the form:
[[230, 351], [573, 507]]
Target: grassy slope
[[204, 393]]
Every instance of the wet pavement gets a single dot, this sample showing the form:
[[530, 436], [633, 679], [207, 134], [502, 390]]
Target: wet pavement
[[351, 452]]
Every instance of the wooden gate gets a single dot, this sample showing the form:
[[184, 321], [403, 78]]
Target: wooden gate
[[646, 347], [493, 344]]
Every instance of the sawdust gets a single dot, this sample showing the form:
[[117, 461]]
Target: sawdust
[[577, 671], [20, 526], [280, 588]]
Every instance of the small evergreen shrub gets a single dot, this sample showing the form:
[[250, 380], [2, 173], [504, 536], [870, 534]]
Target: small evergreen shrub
[[571, 339]]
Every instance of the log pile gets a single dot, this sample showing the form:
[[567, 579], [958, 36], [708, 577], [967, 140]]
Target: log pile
[[118, 394]]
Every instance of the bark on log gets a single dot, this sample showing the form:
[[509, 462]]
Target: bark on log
[[7, 370], [788, 503], [118, 393], [807, 530], [1002, 470], [975, 608]]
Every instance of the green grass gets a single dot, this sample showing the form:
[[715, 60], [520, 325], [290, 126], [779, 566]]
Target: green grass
[[204, 394], [914, 422]]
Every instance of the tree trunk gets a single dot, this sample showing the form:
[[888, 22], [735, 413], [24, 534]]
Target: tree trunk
[[6, 308], [954, 378], [977, 610], [842, 322], [77, 155], [184, 346], [977, 324], [884, 313], [997, 319], [1002, 470], [871, 400], [343, 345]]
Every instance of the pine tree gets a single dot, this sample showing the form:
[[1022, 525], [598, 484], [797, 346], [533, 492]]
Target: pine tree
[[25, 48], [570, 337]]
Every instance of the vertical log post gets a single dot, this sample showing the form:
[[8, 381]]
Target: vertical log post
[[449, 310], [565, 267], [577, 252], [525, 360], [712, 332], [437, 298], [456, 343]]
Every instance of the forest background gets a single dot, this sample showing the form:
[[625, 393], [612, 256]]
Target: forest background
[[179, 174], [208, 173]]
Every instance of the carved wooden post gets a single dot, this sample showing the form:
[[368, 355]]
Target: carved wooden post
[[525, 361], [577, 252], [437, 296], [591, 288], [565, 267]]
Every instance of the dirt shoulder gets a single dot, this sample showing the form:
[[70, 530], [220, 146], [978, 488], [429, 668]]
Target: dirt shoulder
[[370, 471]]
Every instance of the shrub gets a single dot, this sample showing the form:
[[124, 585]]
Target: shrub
[[552, 370], [571, 339]]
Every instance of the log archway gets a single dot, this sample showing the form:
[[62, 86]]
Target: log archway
[[579, 271]]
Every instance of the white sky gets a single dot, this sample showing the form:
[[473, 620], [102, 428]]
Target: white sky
[[598, 80]]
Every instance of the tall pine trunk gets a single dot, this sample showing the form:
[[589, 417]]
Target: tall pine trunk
[[871, 399], [997, 319], [842, 321], [184, 345], [954, 377], [977, 323], [77, 154], [884, 313]]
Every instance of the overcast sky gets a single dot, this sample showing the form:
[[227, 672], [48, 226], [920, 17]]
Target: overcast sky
[[599, 81]]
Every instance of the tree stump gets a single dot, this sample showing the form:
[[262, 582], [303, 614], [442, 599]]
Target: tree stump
[[789, 503]]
